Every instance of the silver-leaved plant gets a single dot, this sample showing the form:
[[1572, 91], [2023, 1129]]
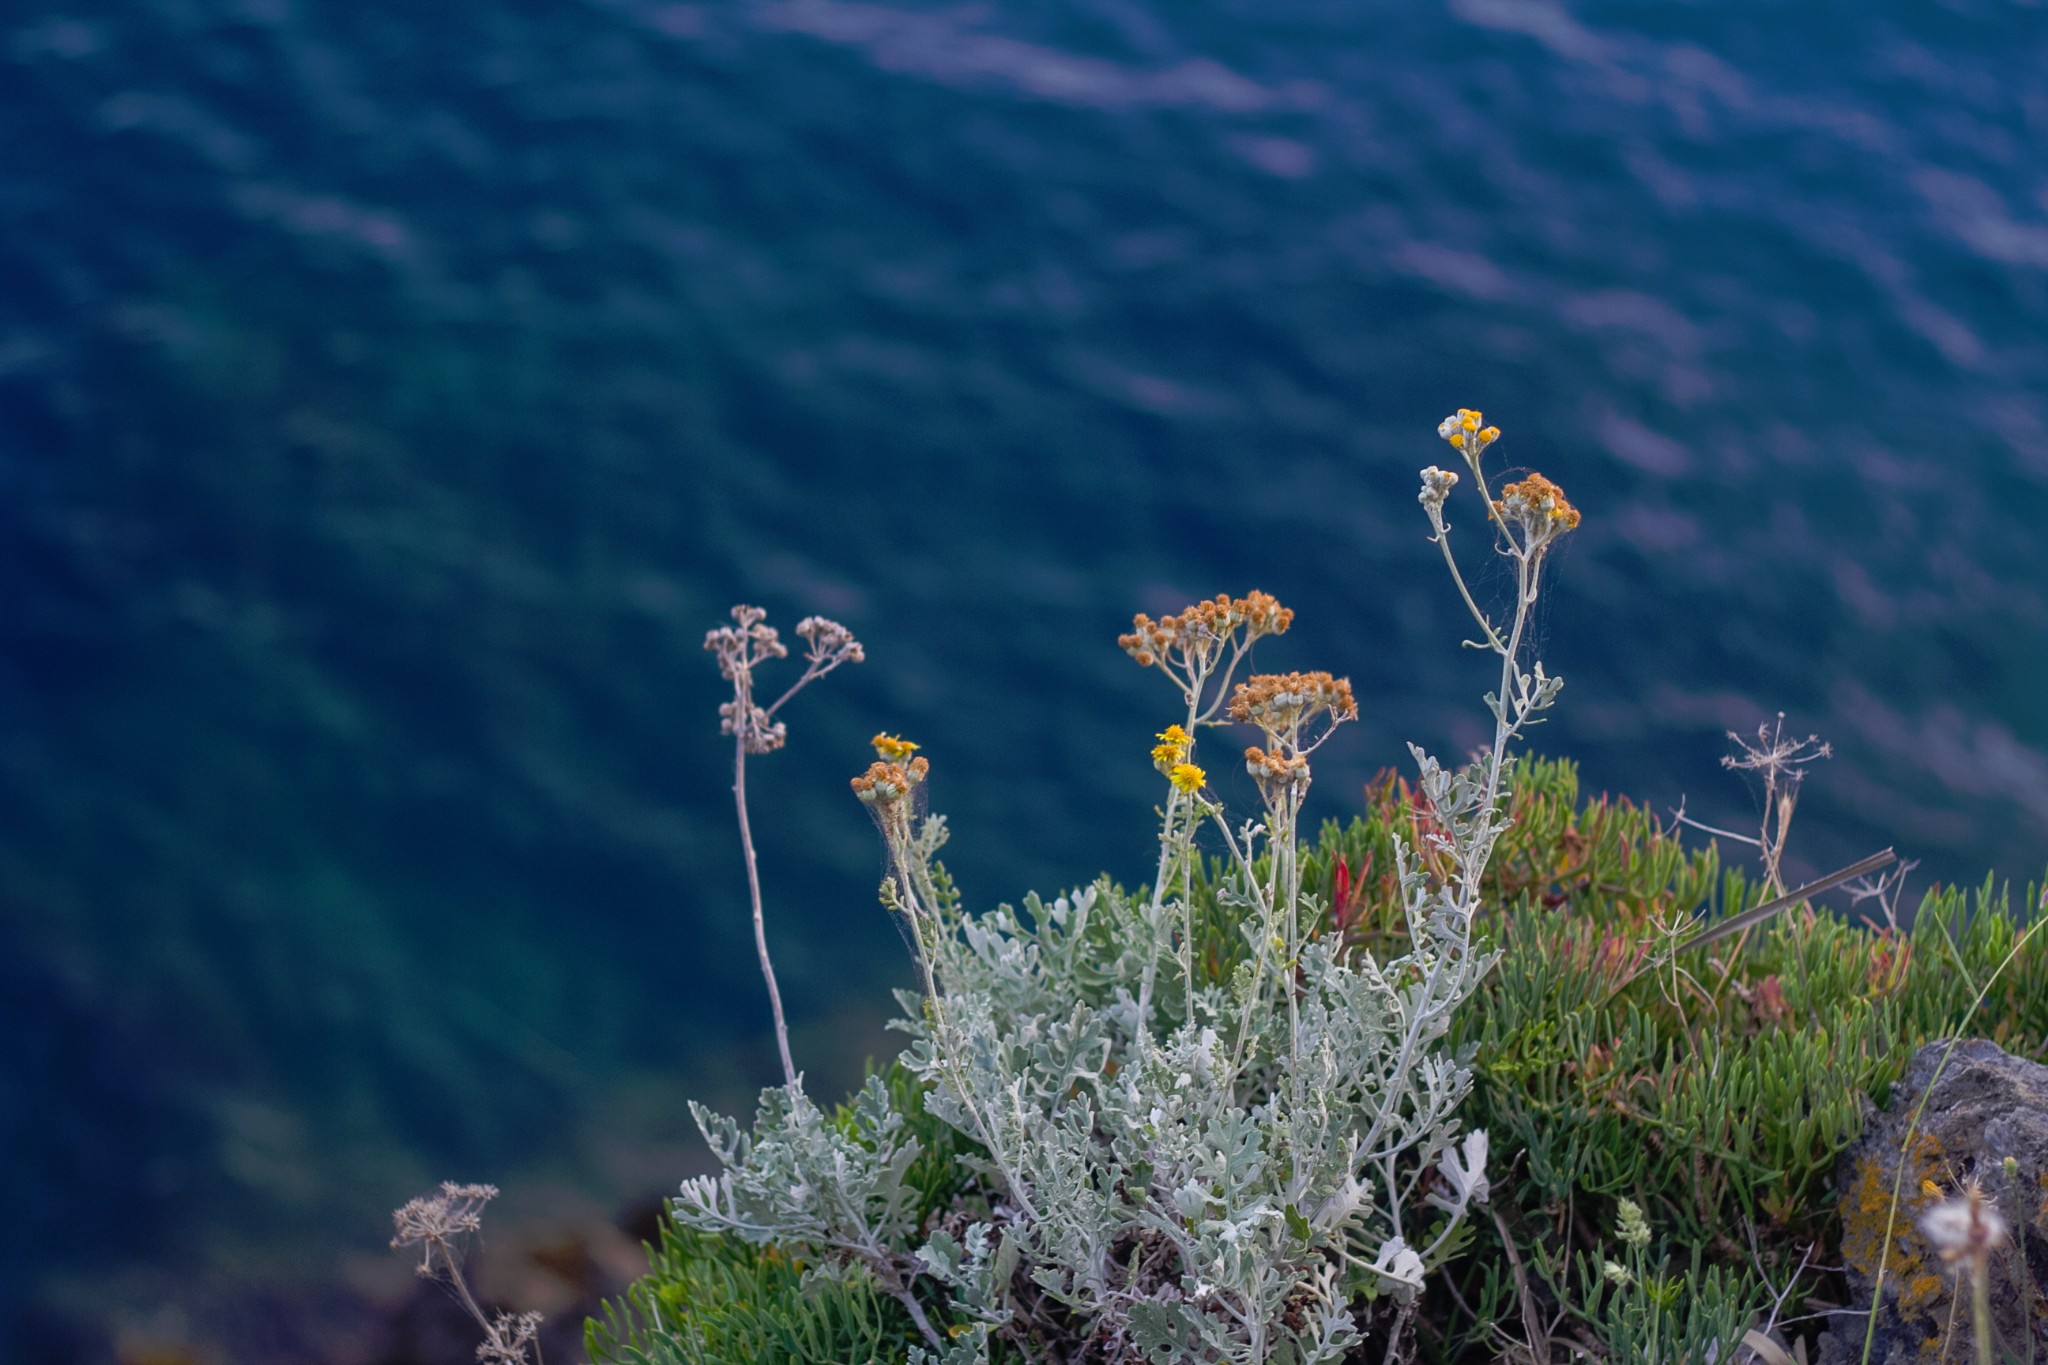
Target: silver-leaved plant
[[1184, 1162]]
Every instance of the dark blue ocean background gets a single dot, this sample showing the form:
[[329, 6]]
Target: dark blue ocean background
[[392, 394]]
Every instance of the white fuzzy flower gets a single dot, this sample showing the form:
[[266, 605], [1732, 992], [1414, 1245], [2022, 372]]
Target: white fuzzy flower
[[1966, 1228]]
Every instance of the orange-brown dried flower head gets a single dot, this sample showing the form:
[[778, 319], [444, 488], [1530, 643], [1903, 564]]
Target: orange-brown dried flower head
[[1263, 614], [1277, 774], [1197, 634], [884, 784], [1539, 507], [1282, 703], [1147, 641]]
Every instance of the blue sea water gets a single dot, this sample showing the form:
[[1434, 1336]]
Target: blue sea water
[[391, 395]]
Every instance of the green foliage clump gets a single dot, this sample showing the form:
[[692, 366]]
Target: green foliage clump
[[716, 1299], [709, 1299], [1716, 1089]]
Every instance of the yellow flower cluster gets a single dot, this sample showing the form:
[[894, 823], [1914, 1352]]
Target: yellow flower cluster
[[1462, 429], [1172, 748], [1201, 628], [892, 749], [1170, 757]]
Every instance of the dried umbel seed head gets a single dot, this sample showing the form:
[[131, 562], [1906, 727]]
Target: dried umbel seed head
[[828, 639], [1199, 632], [506, 1339], [744, 643], [757, 733], [440, 1220], [1281, 704], [1782, 759]]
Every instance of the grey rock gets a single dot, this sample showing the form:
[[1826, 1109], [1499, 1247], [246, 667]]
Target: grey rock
[[1983, 1106]]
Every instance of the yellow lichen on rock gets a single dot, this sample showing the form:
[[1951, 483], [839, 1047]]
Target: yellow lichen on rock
[[1868, 1212]]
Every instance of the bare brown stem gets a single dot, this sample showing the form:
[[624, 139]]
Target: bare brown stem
[[739, 797], [1532, 1317]]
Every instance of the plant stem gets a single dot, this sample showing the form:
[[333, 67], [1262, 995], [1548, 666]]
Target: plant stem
[[1980, 1304], [739, 797], [1493, 642]]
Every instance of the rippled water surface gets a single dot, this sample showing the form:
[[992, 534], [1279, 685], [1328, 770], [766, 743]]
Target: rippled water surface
[[391, 395]]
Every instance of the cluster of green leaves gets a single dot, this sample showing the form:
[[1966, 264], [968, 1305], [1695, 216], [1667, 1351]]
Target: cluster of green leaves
[[1715, 1088], [715, 1299], [709, 1299], [1653, 1308]]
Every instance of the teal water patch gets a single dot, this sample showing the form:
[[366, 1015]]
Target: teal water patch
[[390, 399]]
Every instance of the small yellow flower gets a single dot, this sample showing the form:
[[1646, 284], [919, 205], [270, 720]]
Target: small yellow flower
[[1186, 777], [1172, 748], [1469, 419], [1489, 436], [892, 748]]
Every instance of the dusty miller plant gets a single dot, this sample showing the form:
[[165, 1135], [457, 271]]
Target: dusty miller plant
[[1188, 1158]]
